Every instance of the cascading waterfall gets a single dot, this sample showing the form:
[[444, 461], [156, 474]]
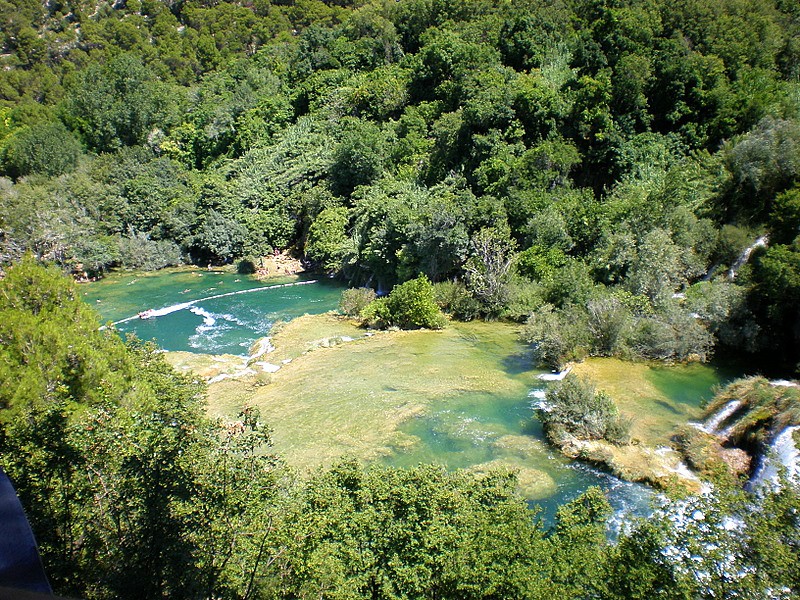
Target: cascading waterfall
[[783, 455], [745, 256], [717, 419]]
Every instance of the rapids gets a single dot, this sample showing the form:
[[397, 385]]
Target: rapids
[[473, 385]]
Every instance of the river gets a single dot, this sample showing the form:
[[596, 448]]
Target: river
[[473, 384]]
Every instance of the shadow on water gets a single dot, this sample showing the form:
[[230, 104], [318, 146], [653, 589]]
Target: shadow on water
[[669, 407], [533, 427], [519, 362]]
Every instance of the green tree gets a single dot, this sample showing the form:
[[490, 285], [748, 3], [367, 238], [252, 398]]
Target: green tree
[[130, 490], [488, 269], [358, 158], [409, 305], [219, 238], [118, 104], [580, 542], [420, 532], [48, 149], [327, 242], [557, 336]]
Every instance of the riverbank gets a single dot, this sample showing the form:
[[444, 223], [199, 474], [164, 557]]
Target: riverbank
[[658, 399]]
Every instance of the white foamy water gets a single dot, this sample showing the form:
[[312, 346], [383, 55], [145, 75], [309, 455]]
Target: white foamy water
[[718, 418], [538, 400], [783, 456], [167, 310], [260, 348], [783, 383], [628, 500], [554, 376], [209, 319]]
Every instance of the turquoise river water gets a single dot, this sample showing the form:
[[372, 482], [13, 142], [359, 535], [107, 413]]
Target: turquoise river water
[[214, 312]]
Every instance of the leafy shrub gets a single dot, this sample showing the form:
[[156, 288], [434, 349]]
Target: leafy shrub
[[355, 300], [47, 148], [454, 298], [608, 321], [376, 314], [412, 304], [524, 298], [246, 266], [327, 239], [140, 252], [673, 335], [573, 406], [557, 336]]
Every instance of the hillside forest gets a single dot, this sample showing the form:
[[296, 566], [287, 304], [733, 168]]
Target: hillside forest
[[618, 177], [597, 169]]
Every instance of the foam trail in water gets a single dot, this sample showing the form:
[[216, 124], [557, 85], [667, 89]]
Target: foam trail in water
[[208, 319], [160, 312]]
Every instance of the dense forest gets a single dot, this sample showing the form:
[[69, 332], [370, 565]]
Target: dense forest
[[595, 168], [621, 176]]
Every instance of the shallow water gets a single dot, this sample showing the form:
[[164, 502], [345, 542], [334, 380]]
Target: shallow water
[[691, 385], [472, 383], [498, 428]]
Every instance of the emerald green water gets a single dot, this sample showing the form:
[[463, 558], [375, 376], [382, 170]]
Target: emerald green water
[[227, 325], [496, 427], [692, 385], [478, 377]]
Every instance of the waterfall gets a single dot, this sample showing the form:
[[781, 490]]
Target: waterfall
[[782, 454], [717, 419], [745, 256], [554, 376]]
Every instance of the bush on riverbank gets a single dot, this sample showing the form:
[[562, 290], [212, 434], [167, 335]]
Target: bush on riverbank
[[355, 300], [410, 305], [574, 408], [618, 324]]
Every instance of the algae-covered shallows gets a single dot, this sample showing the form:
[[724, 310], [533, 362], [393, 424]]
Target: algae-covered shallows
[[458, 396]]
